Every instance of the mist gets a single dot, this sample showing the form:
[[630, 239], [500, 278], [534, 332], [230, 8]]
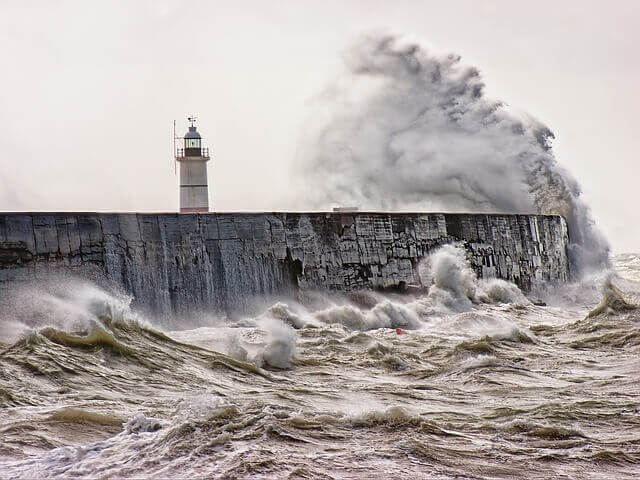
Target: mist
[[406, 129]]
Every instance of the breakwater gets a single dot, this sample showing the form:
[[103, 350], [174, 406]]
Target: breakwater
[[178, 263]]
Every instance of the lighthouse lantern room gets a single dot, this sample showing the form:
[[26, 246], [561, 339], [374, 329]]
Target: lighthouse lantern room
[[193, 158]]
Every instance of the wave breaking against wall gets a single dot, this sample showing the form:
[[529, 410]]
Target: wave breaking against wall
[[177, 263]]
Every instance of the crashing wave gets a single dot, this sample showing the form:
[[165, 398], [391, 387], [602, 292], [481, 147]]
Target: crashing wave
[[401, 108], [613, 302]]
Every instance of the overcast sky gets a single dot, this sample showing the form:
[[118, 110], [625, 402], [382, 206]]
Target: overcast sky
[[89, 90]]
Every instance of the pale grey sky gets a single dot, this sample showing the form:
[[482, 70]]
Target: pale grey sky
[[89, 90]]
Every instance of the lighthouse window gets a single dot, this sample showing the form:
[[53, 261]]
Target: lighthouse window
[[192, 143]]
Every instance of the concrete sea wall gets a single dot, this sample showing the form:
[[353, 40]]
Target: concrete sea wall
[[175, 263]]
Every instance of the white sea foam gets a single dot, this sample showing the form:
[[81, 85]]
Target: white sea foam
[[66, 303], [495, 290], [279, 348], [478, 361], [453, 288], [386, 314], [481, 325], [141, 423], [451, 272]]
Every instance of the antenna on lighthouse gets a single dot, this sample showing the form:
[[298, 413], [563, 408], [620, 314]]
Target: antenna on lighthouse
[[192, 120], [175, 151]]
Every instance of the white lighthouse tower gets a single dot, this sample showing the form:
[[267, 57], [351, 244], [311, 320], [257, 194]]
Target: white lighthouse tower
[[193, 158]]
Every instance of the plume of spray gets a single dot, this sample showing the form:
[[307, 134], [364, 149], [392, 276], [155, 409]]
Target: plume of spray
[[68, 303], [405, 129]]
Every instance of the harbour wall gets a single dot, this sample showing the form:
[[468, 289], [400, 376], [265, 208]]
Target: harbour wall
[[177, 263]]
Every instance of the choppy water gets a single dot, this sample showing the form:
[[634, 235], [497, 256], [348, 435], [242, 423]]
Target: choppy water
[[480, 383]]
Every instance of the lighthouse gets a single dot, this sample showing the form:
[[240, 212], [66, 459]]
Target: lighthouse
[[193, 158]]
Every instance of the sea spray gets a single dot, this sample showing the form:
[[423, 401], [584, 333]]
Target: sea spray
[[406, 129], [280, 345], [68, 304], [453, 279], [496, 290], [452, 287]]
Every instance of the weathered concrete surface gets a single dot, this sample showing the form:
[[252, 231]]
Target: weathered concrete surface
[[173, 263]]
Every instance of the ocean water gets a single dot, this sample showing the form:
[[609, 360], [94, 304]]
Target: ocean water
[[468, 380]]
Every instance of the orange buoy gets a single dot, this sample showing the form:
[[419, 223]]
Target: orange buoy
[[398, 331]]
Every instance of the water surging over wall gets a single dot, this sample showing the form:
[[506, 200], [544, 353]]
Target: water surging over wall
[[406, 129]]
